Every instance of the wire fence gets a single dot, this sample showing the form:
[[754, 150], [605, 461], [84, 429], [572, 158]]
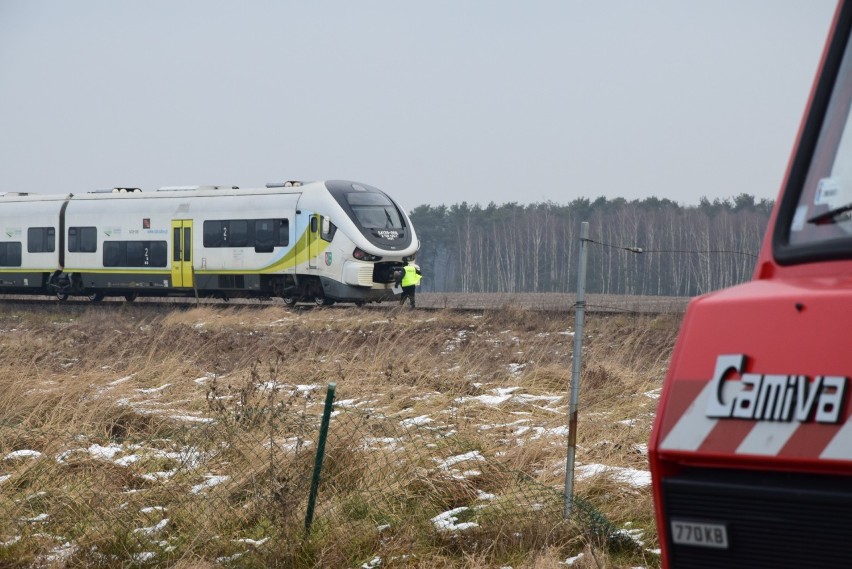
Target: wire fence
[[236, 489], [554, 302]]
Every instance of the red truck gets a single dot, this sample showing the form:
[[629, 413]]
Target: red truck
[[751, 449]]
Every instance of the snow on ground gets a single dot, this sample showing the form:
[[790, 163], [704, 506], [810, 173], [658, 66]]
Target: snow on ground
[[448, 521], [22, 454], [631, 476]]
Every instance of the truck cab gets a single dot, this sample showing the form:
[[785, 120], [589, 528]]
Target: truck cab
[[751, 449]]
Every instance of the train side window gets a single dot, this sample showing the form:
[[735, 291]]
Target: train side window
[[135, 253], [215, 234], [82, 239], [41, 240], [313, 224], [158, 254], [10, 254], [264, 236], [282, 235], [176, 244], [187, 246], [328, 229], [113, 254], [239, 236]]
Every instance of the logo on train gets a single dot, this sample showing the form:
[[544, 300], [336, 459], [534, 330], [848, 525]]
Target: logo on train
[[328, 258]]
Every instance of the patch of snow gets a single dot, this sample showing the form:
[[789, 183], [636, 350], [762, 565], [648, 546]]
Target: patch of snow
[[421, 420], [503, 394], [62, 553], [380, 443], [631, 476], [524, 398], [516, 369], [154, 389], [106, 452], [121, 380], [152, 509], [446, 521], [127, 460], [254, 542], [485, 399], [453, 460], [192, 419], [156, 528], [157, 476], [22, 454], [634, 535], [212, 480]]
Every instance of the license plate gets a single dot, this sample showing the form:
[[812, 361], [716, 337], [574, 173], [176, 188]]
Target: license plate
[[700, 534]]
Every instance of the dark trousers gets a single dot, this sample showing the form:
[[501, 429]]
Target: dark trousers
[[407, 292]]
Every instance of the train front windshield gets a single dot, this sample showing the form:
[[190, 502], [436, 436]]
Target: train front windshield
[[374, 210]]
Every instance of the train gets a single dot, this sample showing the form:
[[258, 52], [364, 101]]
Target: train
[[320, 242]]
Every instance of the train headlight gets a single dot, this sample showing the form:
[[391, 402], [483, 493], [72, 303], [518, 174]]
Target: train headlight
[[363, 256]]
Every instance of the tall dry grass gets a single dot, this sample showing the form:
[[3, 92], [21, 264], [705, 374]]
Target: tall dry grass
[[497, 381]]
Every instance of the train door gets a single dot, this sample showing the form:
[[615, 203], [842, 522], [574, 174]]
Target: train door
[[313, 242], [182, 253]]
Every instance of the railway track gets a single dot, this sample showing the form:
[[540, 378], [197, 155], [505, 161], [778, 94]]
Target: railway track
[[550, 302]]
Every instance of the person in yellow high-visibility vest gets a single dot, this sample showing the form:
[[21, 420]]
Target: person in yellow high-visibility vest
[[410, 279]]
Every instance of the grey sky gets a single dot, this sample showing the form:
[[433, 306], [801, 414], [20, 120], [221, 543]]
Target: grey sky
[[435, 102]]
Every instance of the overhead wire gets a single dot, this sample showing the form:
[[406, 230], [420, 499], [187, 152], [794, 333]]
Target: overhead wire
[[642, 251]]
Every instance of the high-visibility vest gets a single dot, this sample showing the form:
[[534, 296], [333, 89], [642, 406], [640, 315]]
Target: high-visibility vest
[[410, 277]]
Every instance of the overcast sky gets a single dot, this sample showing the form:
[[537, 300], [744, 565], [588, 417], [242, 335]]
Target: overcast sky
[[435, 102]]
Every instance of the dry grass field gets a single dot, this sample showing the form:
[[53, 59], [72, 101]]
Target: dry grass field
[[100, 404]]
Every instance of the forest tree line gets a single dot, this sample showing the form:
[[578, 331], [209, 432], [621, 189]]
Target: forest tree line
[[687, 250]]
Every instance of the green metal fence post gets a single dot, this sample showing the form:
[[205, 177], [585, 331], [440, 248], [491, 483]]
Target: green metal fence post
[[326, 418]]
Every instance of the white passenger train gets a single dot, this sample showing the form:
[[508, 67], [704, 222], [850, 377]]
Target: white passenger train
[[322, 242]]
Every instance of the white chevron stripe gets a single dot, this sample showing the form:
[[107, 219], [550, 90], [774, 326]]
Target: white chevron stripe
[[767, 438], [693, 426], [840, 446]]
